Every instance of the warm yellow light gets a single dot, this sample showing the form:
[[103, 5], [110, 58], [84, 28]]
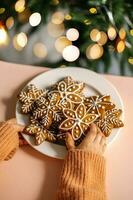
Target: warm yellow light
[[19, 41], [2, 10], [55, 30], [16, 45], [93, 10], [61, 43], [20, 6], [94, 51], [22, 39], [35, 19], [102, 38], [3, 36], [55, 2], [94, 35], [131, 32], [10, 22], [112, 33], [72, 34], [130, 60], [122, 33], [40, 50], [71, 53], [57, 18], [87, 22], [120, 46], [68, 17]]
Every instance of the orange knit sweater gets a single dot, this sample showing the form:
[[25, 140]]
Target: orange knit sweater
[[82, 177], [83, 173]]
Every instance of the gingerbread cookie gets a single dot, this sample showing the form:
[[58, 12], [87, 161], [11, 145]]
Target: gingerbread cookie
[[97, 104], [109, 120], [70, 92], [47, 110], [77, 121], [40, 133], [29, 96]]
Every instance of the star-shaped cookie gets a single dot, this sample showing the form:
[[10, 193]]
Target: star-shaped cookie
[[29, 96], [109, 120], [47, 110], [39, 133]]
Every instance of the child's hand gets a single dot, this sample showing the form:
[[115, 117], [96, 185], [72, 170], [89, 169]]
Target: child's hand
[[94, 141]]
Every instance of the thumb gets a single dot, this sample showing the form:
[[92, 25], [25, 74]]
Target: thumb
[[69, 142]]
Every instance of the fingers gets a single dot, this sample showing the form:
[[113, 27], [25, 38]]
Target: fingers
[[100, 138], [103, 140], [91, 134], [69, 141], [104, 148]]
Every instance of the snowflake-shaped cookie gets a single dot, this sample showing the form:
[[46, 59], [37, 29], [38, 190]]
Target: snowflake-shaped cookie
[[39, 133], [69, 93], [77, 121], [48, 110], [97, 104], [29, 96], [109, 120]]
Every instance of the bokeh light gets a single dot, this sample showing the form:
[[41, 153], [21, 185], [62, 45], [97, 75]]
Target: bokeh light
[[20, 41], [102, 38], [120, 46], [40, 50], [3, 36], [61, 43], [10, 22], [122, 33], [35, 19], [72, 34], [112, 33], [94, 35], [57, 18], [94, 51], [71, 53], [130, 60], [93, 10], [20, 6]]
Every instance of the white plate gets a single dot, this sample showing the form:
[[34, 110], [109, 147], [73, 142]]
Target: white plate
[[95, 84]]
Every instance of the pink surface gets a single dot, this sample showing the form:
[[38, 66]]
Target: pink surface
[[33, 176]]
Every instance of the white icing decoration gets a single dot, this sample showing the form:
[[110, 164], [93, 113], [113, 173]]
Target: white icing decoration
[[78, 121]]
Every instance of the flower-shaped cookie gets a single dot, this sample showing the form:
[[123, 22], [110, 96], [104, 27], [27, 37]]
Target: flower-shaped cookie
[[97, 104], [77, 121], [109, 120], [29, 96], [69, 93]]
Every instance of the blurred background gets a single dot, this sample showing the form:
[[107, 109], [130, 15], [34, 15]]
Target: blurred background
[[97, 35]]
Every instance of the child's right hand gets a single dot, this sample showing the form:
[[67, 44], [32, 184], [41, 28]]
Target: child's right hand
[[94, 142]]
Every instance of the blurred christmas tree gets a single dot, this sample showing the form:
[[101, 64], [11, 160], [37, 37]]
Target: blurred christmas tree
[[88, 34]]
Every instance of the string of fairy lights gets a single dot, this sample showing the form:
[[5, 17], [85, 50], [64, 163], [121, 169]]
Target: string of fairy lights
[[64, 39]]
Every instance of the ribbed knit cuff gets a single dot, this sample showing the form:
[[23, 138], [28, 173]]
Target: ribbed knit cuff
[[9, 141], [83, 177]]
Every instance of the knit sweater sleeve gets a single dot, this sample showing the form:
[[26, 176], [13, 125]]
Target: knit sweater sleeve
[[82, 177]]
